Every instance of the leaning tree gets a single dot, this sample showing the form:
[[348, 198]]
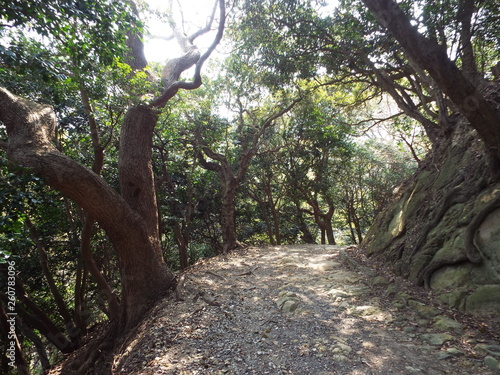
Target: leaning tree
[[128, 216]]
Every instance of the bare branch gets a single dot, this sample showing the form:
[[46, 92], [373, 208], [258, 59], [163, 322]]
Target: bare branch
[[175, 67]]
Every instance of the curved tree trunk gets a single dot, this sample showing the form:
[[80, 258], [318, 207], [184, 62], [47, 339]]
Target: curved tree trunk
[[131, 225], [142, 267], [109, 299], [433, 58]]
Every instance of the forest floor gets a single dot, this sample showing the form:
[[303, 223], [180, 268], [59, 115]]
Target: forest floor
[[305, 309]]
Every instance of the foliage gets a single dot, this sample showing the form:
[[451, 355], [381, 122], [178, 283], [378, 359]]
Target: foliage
[[311, 169]]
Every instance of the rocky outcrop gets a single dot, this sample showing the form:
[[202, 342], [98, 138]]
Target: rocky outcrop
[[442, 230]]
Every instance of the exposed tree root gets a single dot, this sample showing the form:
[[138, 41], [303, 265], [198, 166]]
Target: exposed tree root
[[471, 253], [424, 276], [455, 196], [93, 357], [471, 250]]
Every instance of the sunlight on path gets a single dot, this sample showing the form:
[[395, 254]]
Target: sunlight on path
[[295, 310]]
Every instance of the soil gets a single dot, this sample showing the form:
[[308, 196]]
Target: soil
[[304, 309]]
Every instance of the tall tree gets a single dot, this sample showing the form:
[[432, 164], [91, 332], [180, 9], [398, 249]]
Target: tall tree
[[130, 218], [250, 130]]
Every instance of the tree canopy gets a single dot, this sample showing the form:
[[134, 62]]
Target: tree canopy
[[117, 172]]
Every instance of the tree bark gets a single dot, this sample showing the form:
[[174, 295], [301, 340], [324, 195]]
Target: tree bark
[[274, 213], [469, 66], [40, 321], [324, 222], [40, 348], [182, 244], [228, 224], [144, 274], [433, 58]]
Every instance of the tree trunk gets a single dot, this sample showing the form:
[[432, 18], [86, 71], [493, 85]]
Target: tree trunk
[[58, 298], [37, 342], [323, 236], [276, 219], [469, 66], [228, 224], [324, 222], [129, 221], [108, 298], [329, 232], [306, 233], [357, 224], [182, 244], [433, 57], [39, 320], [263, 209], [145, 275], [80, 285]]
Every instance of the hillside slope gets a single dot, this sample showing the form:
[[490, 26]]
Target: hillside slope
[[442, 231]]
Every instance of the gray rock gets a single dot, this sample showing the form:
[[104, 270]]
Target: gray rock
[[399, 305], [492, 363], [489, 349], [346, 349], [325, 266], [454, 352], [425, 311], [444, 323], [443, 355], [379, 280], [449, 277], [409, 329], [449, 353], [334, 293], [411, 369], [486, 299], [367, 310], [340, 358], [455, 299], [289, 306], [287, 301], [437, 339], [390, 291]]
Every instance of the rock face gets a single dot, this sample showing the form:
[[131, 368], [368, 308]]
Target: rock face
[[442, 230]]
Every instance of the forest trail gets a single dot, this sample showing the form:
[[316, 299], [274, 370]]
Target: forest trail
[[304, 309]]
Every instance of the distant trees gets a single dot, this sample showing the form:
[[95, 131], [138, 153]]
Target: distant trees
[[356, 52]]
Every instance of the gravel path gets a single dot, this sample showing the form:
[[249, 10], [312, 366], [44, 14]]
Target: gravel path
[[309, 309]]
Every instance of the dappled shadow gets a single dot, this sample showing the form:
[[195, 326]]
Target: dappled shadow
[[233, 320]]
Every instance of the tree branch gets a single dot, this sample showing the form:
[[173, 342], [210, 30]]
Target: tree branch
[[30, 128], [175, 67]]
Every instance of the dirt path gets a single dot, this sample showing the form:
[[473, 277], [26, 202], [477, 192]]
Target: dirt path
[[302, 310]]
